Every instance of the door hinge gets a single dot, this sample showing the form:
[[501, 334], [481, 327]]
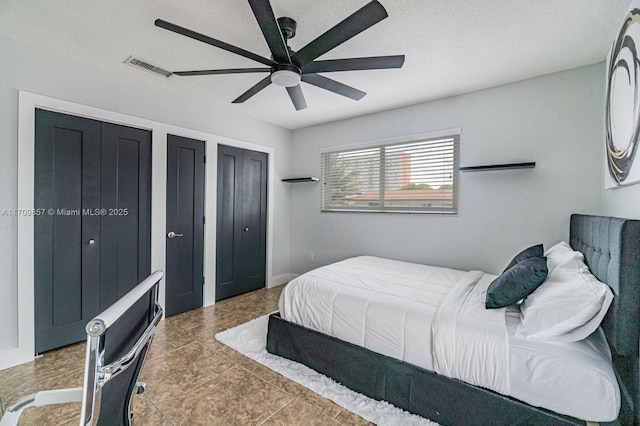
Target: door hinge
[[203, 281], [204, 159], [204, 220]]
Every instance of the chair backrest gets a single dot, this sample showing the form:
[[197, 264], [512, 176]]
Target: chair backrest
[[117, 343]]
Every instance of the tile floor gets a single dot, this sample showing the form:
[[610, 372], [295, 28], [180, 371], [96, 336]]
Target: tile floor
[[192, 379]]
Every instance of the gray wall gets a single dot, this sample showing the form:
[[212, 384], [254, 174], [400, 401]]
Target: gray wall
[[24, 68], [554, 120], [622, 202]]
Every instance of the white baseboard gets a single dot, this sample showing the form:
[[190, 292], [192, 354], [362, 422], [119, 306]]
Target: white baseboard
[[14, 356], [280, 279]]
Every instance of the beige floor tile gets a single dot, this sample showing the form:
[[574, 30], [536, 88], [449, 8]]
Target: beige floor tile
[[168, 337], [71, 422], [346, 417], [298, 412], [236, 397], [193, 364], [197, 317], [324, 405], [42, 368], [145, 413], [168, 398], [248, 364], [205, 335]]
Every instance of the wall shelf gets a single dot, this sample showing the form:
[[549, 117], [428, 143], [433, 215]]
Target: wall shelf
[[302, 179], [529, 165]]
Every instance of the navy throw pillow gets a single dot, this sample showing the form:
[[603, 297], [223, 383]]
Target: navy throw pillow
[[533, 251], [516, 283]]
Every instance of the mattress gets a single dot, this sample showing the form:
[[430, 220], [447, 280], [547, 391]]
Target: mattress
[[574, 378], [387, 306]]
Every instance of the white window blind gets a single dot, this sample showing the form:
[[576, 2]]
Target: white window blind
[[403, 177]]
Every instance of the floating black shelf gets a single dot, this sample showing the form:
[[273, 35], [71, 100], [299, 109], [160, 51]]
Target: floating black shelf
[[491, 167], [302, 179]]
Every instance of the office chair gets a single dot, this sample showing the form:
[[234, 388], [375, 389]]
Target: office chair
[[117, 342]]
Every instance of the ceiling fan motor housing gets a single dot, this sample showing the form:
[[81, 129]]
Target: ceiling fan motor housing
[[286, 75], [287, 27]]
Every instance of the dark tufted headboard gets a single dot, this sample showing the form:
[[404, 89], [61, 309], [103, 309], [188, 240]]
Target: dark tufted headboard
[[611, 247]]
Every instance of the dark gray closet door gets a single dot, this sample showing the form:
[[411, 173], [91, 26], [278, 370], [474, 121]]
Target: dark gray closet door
[[67, 266], [185, 224], [241, 221], [92, 244], [125, 229]]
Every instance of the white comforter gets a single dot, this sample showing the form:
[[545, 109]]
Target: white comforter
[[470, 342], [420, 314]]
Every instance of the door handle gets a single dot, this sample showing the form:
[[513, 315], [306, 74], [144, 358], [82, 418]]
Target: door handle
[[173, 235], [246, 229]]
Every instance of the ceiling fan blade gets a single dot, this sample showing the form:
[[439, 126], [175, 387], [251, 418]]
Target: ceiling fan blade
[[252, 91], [223, 71], [295, 93], [333, 86], [270, 29], [367, 16], [355, 64], [212, 41]]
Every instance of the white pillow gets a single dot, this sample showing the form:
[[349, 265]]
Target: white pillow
[[567, 307], [559, 254]]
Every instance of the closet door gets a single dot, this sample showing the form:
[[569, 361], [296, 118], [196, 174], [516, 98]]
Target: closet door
[[92, 242], [125, 194], [241, 221], [67, 264]]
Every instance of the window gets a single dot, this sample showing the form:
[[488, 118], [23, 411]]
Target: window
[[419, 175]]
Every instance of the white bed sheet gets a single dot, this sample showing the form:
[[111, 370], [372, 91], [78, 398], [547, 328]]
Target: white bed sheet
[[574, 378], [387, 306]]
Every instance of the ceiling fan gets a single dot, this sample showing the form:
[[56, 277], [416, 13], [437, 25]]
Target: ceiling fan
[[287, 68]]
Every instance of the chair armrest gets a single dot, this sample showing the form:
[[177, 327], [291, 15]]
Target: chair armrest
[[39, 399]]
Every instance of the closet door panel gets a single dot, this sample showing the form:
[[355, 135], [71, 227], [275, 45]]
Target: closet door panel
[[242, 221], [125, 210], [66, 264], [254, 205]]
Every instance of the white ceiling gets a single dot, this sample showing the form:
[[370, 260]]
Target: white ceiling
[[451, 46]]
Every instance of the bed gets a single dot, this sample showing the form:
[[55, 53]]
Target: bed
[[594, 378]]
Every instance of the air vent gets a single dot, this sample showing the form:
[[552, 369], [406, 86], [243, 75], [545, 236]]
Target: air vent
[[142, 64]]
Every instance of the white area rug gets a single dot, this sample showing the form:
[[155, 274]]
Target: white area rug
[[250, 339]]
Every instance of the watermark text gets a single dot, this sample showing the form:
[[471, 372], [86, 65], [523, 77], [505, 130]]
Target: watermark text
[[63, 212]]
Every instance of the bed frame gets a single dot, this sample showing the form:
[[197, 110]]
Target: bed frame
[[612, 250]]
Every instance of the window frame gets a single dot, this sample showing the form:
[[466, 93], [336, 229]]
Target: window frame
[[383, 144]]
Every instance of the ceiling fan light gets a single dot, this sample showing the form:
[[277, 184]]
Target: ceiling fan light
[[285, 78]]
